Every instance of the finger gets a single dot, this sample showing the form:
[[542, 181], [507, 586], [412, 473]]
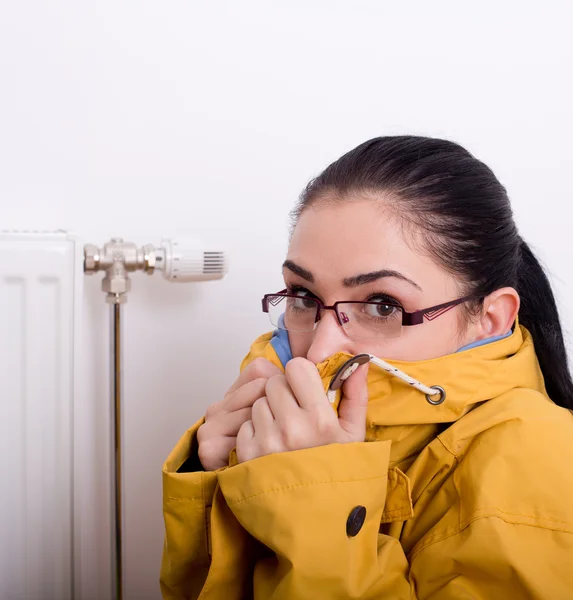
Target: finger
[[354, 404], [214, 453], [304, 380], [262, 416], [245, 442], [281, 399], [259, 368], [245, 396], [229, 424]]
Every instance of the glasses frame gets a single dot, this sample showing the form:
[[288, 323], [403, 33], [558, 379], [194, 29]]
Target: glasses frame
[[409, 319]]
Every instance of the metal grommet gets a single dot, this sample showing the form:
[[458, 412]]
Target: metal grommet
[[442, 397]]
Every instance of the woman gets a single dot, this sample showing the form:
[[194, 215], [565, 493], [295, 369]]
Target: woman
[[445, 472]]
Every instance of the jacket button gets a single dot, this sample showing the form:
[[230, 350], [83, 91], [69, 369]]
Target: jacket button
[[355, 521]]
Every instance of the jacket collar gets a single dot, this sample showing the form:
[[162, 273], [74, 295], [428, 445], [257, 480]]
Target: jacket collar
[[468, 377], [400, 413]]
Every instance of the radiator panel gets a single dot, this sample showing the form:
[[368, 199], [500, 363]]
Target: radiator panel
[[37, 318]]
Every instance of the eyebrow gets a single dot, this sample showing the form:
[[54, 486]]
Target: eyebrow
[[297, 270], [354, 281]]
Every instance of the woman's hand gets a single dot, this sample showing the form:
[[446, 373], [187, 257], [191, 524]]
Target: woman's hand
[[218, 435], [294, 413]]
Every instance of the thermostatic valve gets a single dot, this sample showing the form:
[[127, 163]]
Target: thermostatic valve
[[179, 260]]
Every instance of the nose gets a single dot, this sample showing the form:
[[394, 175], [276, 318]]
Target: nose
[[328, 339]]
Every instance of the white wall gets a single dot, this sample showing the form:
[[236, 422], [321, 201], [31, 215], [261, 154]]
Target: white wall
[[147, 118]]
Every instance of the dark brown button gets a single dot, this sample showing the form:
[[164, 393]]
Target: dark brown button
[[337, 381], [355, 521]]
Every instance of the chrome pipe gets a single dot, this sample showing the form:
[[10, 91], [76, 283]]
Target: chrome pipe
[[116, 420]]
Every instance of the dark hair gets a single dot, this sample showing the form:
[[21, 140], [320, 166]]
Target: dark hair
[[468, 223]]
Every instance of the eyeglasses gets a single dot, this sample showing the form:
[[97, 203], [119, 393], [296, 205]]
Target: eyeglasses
[[360, 320]]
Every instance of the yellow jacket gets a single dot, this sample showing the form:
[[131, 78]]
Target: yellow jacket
[[469, 499]]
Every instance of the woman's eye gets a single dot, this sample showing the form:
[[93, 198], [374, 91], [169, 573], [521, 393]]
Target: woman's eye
[[304, 300], [383, 307], [381, 310], [306, 303]]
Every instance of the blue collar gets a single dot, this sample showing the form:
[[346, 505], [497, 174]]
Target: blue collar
[[281, 345], [489, 340]]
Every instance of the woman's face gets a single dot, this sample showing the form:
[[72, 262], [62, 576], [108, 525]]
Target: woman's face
[[337, 241]]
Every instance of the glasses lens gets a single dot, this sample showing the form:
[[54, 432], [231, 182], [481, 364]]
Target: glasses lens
[[368, 320], [293, 313]]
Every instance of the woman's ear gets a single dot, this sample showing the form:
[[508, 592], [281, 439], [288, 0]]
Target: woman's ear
[[500, 310]]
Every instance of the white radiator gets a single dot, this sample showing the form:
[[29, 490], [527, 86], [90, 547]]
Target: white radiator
[[40, 285]]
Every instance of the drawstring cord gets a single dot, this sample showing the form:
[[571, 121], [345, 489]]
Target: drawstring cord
[[435, 394]]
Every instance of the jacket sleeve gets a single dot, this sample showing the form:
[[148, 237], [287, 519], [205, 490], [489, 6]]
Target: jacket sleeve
[[187, 500], [303, 507], [307, 507], [298, 505]]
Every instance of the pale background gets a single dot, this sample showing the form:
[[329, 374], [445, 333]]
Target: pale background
[[148, 118]]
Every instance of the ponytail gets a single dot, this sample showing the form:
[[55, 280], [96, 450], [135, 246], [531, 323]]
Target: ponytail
[[538, 313]]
